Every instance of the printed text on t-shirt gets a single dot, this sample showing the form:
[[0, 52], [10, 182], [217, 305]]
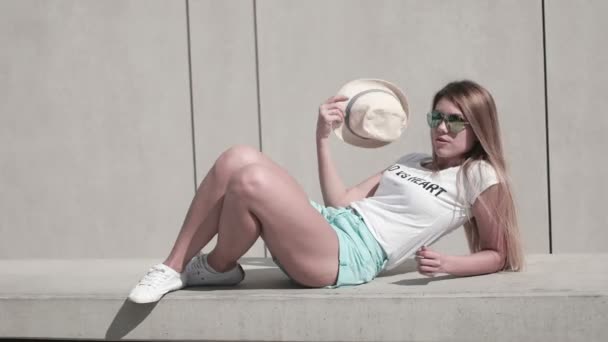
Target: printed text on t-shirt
[[426, 185]]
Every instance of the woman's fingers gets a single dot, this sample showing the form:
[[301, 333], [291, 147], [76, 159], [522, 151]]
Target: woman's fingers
[[336, 105], [428, 265], [428, 256], [332, 113], [336, 98], [425, 252], [329, 106], [333, 106], [330, 120], [333, 110], [427, 271], [429, 262]]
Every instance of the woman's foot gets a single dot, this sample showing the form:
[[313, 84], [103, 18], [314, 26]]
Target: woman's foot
[[159, 280], [199, 273]]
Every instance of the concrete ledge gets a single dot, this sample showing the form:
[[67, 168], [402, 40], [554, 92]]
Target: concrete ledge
[[558, 298]]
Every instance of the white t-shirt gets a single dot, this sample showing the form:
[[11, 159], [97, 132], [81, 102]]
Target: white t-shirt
[[413, 206]]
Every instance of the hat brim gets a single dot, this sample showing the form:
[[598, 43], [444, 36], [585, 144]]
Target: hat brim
[[345, 134], [349, 137]]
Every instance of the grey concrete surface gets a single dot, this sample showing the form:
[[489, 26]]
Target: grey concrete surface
[[576, 92], [95, 136], [86, 299], [307, 50], [224, 85]]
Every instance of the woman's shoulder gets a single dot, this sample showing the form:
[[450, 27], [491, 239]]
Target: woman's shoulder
[[480, 175], [481, 169]]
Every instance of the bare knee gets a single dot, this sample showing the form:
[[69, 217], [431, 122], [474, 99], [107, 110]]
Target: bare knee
[[250, 181], [234, 159]]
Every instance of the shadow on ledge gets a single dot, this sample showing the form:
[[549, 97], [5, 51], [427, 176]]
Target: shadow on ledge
[[267, 277], [128, 318], [410, 266], [260, 274]]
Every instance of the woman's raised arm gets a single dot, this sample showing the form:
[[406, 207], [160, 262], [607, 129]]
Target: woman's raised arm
[[334, 192]]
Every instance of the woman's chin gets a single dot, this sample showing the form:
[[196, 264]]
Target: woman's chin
[[445, 155], [442, 153]]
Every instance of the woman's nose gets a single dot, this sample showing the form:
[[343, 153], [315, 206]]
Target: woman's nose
[[442, 127]]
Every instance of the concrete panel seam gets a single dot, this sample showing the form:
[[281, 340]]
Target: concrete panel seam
[[547, 127], [257, 86], [189, 43]]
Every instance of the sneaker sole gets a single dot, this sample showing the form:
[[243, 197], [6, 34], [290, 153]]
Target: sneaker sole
[[213, 282], [154, 299]]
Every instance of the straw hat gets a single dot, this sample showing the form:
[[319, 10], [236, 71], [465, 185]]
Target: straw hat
[[376, 113]]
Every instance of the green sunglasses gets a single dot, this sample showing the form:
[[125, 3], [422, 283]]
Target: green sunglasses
[[454, 122]]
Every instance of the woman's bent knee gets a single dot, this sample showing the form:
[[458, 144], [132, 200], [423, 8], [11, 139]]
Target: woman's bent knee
[[235, 158], [250, 180]]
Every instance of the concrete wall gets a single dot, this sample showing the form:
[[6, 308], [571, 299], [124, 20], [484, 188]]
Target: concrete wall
[[576, 90], [95, 144], [224, 85], [306, 54], [112, 112]]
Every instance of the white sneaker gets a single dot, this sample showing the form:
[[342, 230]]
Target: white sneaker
[[198, 273], [159, 280]]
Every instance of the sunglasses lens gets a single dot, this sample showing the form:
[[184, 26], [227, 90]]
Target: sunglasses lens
[[434, 119], [455, 126], [454, 122]]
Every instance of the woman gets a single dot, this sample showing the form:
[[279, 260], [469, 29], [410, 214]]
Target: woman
[[365, 229]]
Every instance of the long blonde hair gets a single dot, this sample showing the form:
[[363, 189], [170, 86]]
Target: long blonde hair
[[478, 107]]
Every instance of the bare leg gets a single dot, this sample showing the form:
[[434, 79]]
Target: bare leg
[[264, 199], [201, 222]]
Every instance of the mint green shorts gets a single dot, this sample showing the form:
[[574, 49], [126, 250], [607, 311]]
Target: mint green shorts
[[360, 258]]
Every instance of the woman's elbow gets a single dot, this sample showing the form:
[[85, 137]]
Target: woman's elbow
[[501, 261], [498, 261]]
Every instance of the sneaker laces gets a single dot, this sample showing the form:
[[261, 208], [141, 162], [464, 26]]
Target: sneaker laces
[[154, 277], [198, 264]]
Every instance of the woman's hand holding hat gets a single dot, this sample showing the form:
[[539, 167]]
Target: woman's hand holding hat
[[331, 114], [376, 114]]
